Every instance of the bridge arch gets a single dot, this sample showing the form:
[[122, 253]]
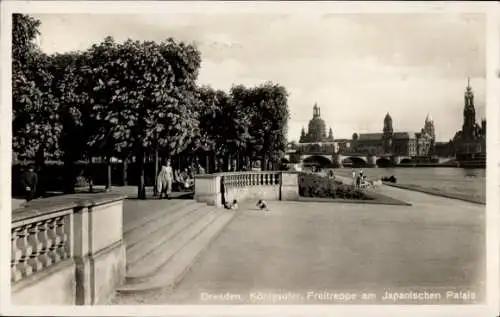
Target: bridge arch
[[405, 160], [383, 162], [355, 161], [317, 159]]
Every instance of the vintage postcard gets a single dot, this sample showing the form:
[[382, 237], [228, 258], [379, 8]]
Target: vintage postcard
[[265, 157]]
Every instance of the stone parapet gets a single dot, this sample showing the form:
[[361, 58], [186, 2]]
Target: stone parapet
[[67, 250], [268, 185]]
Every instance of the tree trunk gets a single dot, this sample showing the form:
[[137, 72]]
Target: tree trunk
[[124, 172], [40, 158], [238, 161], [225, 166], [141, 187], [213, 162], [155, 190], [207, 163], [39, 167], [108, 173], [69, 177], [90, 175]]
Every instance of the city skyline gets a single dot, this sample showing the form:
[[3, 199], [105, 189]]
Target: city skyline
[[356, 67]]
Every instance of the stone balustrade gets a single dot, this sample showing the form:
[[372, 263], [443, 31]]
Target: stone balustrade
[[213, 189], [67, 250]]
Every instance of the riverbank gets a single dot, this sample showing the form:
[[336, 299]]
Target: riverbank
[[464, 184], [439, 192]]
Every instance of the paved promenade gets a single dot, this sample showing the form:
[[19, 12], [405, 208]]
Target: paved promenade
[[435, 245]]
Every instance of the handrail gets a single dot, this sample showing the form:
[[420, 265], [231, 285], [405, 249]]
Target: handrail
[[42, 232]]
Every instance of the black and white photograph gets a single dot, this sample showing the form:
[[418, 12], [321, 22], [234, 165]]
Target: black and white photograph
[[238, 157]]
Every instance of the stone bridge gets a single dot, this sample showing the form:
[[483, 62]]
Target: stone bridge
[[341, 159]]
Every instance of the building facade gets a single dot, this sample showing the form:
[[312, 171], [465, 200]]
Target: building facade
[[396, 143], [388, 142]]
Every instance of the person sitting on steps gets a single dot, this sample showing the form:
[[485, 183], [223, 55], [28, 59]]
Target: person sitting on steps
[[262, 205], [231, 205]]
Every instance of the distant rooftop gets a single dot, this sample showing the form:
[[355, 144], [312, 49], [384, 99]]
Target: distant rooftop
[[379, 136]]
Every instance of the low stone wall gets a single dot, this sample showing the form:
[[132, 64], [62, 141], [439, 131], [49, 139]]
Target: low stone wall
[[268, 185], [67, 250]]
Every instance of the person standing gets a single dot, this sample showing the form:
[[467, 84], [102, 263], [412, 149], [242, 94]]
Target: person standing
[[201, 170], [354, 178], [29, 181], [165, 178]]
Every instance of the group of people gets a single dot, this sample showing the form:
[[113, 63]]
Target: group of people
[[261, 205], [184, 179], [359, 179]]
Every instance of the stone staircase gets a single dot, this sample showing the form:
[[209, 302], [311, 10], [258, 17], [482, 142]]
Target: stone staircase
[[163, 243]]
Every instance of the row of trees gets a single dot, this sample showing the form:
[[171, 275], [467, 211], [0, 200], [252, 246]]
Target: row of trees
[[135, 99]]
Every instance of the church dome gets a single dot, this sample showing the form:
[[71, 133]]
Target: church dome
[[317, 126]]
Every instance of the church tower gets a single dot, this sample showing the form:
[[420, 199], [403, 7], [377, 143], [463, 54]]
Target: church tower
[[303, 137], [330, 135], [387, 133], [429, 127], [469, 113]]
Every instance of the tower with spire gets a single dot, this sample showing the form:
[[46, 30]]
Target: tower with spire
[[469, 123], [470, 143], [387, 133], [429, 127], [426, 139]]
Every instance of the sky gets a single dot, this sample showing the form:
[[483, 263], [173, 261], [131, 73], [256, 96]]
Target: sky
[[356, 67]]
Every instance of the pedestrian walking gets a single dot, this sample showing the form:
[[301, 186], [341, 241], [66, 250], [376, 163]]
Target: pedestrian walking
[[164, 181], [358, 181], [29, 182]]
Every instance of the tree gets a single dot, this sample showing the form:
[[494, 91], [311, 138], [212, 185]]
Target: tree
[[266, 106], [223, 123], [141, 97], [35, 119], [69, 89]]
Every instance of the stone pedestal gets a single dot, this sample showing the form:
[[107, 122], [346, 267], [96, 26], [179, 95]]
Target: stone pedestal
[[372, 161], [99, 251], [208, 189], [337, 160], [289, 186], [395, 160]]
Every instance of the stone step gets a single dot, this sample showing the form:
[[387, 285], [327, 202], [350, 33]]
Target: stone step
[[151, 263], [161, 219], [143, 242], [172, 273], [148, 216]]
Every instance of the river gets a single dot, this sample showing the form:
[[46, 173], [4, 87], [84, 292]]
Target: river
[[458, 181]]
